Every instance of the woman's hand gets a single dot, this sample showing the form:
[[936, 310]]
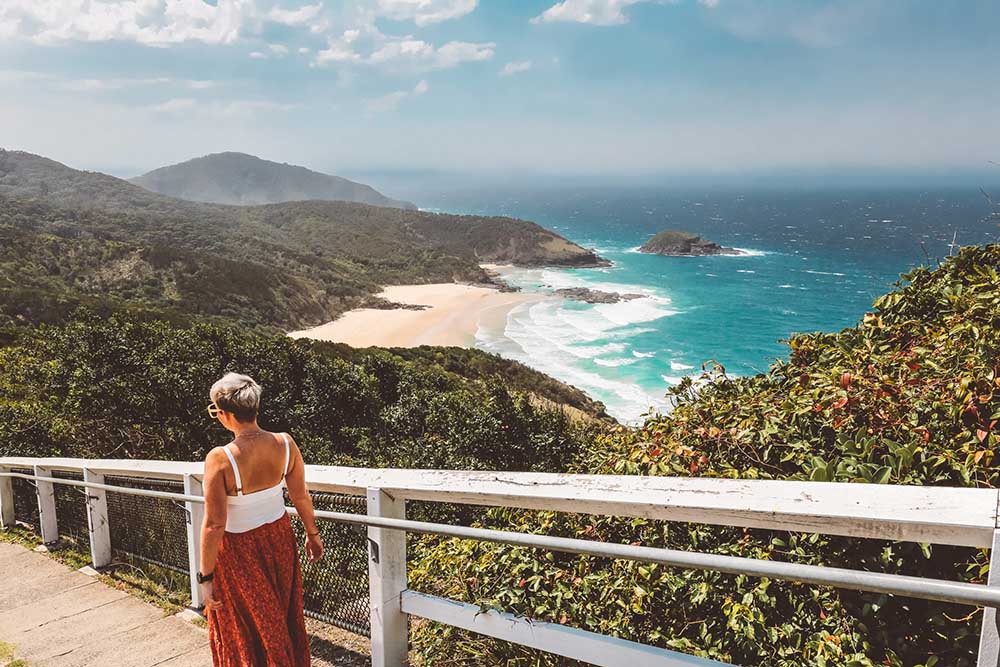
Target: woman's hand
[[314, 547], [208, 594]]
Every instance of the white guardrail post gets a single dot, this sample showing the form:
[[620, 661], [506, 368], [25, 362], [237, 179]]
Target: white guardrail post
[[989, 638], [7, 519], [97, 520], [46, 505], [387, 581], [195, 516]]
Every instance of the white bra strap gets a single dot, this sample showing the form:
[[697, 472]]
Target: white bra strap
[[287, 454], [236, 471]]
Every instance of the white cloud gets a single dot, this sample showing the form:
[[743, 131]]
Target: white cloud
[[295, 17], [20, 76], [150, 22], [406, 53], [220, 108], [453, 53], [425, 12], [174, 105], [350, 28], [57, 82], [392, 101], [337, 51], [387, 102], [599, 12], [246, 107], [9, 27], [511, 69], [594, 12], [99, 85]]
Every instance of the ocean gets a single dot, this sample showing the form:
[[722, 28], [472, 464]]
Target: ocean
[[815, 261]]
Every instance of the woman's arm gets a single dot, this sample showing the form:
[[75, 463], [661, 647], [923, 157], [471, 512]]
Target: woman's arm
[[295, 480], [214, 526]]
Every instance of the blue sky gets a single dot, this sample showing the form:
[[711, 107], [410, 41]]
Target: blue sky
[[575, 87]]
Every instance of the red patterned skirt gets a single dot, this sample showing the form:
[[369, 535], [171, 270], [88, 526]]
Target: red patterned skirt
[[259, 583]]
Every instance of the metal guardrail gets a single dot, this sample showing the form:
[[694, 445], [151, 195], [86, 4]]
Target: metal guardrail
[[155, 534], [391, 600]]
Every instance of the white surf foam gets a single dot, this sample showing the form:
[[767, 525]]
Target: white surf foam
[[747, 252], [615, 362], [556, 336]]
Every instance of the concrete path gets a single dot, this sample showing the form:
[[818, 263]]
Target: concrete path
[[56, 617]]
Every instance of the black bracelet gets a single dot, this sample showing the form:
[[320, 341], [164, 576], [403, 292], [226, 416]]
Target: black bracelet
[[203, 578], [312, 534]]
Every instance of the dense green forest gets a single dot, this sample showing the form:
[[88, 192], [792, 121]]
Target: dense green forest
[[909, 396], [125, 387]]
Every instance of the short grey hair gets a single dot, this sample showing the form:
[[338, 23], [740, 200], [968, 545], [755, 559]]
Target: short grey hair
[[238, 394]]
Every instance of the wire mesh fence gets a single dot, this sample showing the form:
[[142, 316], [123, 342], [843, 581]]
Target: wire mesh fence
[[26, 500], [151, 530], [151, 534], [336, 587], [71, 509]]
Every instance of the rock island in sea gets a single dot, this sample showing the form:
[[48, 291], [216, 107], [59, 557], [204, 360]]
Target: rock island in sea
[[675, 243]]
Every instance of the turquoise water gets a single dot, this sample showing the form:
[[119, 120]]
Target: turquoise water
[[815, 262]]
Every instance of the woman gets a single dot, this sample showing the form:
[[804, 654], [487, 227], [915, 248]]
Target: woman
[[250, 573]]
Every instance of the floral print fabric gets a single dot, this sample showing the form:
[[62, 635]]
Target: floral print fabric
[[258, 581]]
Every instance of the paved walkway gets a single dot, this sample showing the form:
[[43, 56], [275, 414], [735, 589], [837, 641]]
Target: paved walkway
[[56, 617]]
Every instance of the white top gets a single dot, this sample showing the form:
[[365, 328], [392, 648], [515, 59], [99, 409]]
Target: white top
[[253, 510]]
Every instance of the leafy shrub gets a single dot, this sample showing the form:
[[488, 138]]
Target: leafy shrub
[[124, 387], [909, 396]]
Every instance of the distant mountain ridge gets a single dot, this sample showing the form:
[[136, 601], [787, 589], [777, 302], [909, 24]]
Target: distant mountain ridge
[[244, 180]]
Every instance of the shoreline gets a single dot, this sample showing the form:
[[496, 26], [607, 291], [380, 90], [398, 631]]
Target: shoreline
[[453, 315]]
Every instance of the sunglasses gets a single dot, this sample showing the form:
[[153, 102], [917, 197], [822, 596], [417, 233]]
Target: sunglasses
[[213, 410]]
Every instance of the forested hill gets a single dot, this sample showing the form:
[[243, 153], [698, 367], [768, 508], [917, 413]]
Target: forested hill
[[287, 265], [238, 178]]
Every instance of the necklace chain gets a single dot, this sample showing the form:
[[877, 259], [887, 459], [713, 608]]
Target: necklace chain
[[251, 435]]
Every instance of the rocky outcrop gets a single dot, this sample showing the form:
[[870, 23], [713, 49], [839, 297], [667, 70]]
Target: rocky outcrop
[[684, 244], [595, 296]]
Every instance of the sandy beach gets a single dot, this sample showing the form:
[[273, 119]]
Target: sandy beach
[[454, 314]]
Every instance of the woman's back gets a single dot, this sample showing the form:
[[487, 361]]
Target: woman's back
[[259, 462], [251, 507]]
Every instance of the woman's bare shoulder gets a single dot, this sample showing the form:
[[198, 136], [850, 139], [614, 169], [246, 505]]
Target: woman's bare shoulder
[[216, 456]]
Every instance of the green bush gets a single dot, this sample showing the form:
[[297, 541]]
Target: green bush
[[126, 387], [909, 396]]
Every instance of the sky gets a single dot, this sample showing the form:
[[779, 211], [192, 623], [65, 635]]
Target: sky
[[577, 87]]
